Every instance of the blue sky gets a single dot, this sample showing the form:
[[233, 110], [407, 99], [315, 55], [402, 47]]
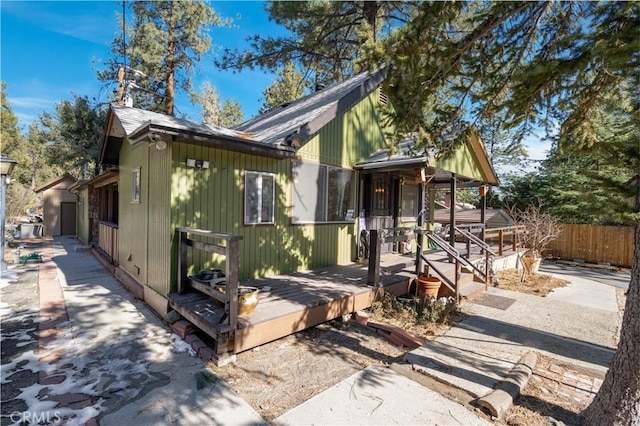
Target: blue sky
[[50, 49]]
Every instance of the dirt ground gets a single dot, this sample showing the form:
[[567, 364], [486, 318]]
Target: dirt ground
[[536, 284], [280, 375]]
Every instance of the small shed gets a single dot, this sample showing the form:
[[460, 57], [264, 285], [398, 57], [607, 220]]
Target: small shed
[[58, 206]]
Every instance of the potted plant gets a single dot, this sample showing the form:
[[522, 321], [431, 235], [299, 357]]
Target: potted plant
[[536, 229]]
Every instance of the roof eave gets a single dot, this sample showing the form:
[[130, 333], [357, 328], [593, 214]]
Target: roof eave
[[220, 141]]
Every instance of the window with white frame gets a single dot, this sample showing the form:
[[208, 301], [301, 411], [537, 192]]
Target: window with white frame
[[259, 198], [322, 194], [135, 185]]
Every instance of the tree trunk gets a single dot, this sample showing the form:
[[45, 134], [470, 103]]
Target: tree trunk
[[171, 64], [370, 10], [618, 401]]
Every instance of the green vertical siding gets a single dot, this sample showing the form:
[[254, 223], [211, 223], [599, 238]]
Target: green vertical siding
[[346, 140], [159, 222], [133, 217], [350, 137], [213, 199], [463, 162]]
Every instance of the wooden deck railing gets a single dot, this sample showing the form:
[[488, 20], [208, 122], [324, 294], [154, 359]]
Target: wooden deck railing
[[394, 235], [228, 246], [507, 234], [108, 240]]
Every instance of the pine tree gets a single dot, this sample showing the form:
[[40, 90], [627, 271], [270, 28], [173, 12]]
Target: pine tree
[[288, 86], [163, 40], [327, 39], [8, 124], [227, 114], [539, 64], [231, 113], [73, 134]]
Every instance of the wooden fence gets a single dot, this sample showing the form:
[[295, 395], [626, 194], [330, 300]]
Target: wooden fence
[[592, 243]]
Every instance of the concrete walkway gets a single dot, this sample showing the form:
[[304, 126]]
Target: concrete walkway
[[113, 354], [577, 324], [379, 396]]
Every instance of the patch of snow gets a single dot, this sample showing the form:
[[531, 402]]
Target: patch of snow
[[7, 277], [180, 346]]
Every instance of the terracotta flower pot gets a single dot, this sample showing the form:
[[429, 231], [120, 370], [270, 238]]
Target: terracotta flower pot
[[531, 264], [428, 287]]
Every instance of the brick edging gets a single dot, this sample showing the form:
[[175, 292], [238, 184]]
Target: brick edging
[[52, 305], [186, 331]]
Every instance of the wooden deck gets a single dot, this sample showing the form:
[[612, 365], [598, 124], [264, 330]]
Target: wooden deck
[[291, 303]]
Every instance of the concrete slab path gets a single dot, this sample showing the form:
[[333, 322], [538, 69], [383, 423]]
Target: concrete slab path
[[577, 324], [379, 396]]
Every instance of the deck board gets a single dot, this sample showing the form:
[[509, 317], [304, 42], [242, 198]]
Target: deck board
[[300, 300]]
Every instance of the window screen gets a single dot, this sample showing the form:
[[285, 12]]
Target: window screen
[[322, 193]]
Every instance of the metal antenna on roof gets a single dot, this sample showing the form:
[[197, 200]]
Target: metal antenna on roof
[[121, 70]]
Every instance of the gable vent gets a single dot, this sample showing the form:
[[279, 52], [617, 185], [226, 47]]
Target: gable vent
[[383, 99]]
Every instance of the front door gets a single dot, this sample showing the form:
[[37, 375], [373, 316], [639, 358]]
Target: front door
[[381, 192]]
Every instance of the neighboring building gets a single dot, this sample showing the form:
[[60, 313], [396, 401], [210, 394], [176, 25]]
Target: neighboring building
[[493, 218], [298, 184], [58, 206]]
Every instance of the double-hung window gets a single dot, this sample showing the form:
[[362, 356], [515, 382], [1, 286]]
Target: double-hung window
[[259, 198], [322, 194]]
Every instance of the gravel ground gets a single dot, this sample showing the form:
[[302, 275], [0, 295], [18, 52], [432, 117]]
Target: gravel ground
[[19, 315]]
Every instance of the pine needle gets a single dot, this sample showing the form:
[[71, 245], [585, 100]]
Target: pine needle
[[205, 379]]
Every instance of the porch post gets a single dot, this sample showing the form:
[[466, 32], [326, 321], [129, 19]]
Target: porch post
[[373, 272], [452, 213], [420, 224], [483, 209]]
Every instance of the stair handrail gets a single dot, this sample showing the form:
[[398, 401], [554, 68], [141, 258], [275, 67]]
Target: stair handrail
[[477, 241], [453, 252]]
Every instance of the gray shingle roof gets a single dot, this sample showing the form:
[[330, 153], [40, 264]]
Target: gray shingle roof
[[134, 118], [263, 135], [299, 116]]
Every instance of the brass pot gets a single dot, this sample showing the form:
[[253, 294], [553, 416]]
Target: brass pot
[[247, 298]]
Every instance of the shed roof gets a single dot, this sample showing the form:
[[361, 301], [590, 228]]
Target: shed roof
[[54, 182], [472, 216]]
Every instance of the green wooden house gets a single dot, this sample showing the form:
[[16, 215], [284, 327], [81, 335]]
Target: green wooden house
[[298, 184]]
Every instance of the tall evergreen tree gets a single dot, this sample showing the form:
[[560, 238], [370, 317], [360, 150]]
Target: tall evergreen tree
[[540, 63], [8, 124], [288, 86], [231, 113], [163, 40], [73, 134], [227, 114], [327, 39], [209, 101]]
